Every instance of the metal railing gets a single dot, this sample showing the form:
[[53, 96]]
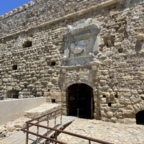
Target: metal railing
[[57, 131], [36, 122]]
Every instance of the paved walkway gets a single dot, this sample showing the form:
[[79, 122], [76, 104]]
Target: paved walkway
[[20, 137], [106, 131]]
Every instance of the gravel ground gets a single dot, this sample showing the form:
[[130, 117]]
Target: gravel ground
[[12, 126]]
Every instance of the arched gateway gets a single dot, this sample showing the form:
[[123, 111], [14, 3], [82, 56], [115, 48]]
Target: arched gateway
[[80, 100], [79, 67]]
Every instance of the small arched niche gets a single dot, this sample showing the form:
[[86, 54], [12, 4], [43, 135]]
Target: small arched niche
[[51, 63], [140, 118], [27, 44], [13, 94], [14, 67]]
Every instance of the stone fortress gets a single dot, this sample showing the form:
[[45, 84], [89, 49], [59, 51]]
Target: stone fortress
[[85, 54]]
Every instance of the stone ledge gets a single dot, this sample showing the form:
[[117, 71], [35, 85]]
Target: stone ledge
[[41, 110]]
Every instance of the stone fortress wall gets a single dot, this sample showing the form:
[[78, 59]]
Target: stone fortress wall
[[38, 12], [32, 47]]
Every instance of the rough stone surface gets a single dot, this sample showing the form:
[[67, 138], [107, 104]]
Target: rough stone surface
[[106, 131], [34, 42], [12, 126], [41, 110]]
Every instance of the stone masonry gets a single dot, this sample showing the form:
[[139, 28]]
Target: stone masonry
[[48, 45]]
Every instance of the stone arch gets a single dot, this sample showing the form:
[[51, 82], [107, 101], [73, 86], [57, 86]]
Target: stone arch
[[13, 94], [80, 82], [80, 100]]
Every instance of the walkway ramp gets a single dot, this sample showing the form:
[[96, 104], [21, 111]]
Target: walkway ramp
[[20, 137]]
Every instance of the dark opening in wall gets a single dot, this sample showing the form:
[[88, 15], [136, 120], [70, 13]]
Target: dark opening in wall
[[14, 67], [120, 50], [25, 85], [52, 63], [116, 95], [142, 97], [27, 44], [13, 94], [48, 90], [104, 96], [140, 118], [109, 104], [53, 100]]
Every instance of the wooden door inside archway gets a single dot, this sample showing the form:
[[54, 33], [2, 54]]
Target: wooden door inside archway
[[80, 101]]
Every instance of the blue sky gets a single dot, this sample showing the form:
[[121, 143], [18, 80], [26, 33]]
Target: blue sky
[[8, 5]]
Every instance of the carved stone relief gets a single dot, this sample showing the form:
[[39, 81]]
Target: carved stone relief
[[81, 43]]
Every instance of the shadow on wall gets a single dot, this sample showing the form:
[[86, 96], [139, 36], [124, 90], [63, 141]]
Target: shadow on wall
[[13, 94]]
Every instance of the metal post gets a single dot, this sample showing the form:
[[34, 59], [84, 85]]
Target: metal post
[[47, 123], [55, 119], [77, 112], [12, 95], [27, 134], [61, 116], [56, 136], [37, 132]]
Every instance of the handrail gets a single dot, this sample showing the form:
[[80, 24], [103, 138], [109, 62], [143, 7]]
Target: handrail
[[69, 133], [36, 122], [39, 119], [47, 138]]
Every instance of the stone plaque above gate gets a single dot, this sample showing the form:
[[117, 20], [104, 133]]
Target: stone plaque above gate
[[81, 43]]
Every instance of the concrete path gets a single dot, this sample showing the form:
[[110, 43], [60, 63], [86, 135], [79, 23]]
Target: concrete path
[[20, 137]]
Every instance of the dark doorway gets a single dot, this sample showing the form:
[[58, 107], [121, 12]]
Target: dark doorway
[[80, 101], [140, 118]]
